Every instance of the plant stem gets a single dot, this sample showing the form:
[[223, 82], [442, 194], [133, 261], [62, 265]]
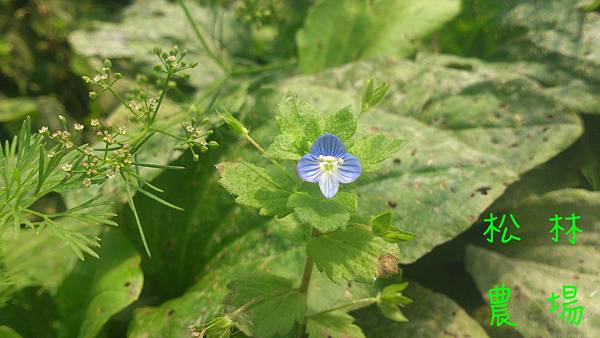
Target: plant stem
[[306, 276], [308, 268], [162, 97], [354, 305], [201, 38], [264, 153]]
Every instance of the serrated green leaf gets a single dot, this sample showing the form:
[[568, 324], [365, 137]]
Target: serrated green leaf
[[340, 31], [285, 147], [352, 254], [98, 289], [272, 305], [323, 214], [265, 190], [335, 324], [374, 149], [431, 315], [341, 124], [299, 124], [538, 266]]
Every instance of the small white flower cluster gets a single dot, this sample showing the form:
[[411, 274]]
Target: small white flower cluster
[[105, 78], [106, 132], [195, 138], [171, 61]]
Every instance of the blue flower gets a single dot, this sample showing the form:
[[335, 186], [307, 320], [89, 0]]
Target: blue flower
[[329, 164]]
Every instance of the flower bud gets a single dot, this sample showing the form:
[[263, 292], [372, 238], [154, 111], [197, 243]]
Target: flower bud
[[234, 124]]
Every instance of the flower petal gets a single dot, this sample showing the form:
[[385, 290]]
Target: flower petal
[[308, 168], [350, 170], [329, 184], [328, 145]]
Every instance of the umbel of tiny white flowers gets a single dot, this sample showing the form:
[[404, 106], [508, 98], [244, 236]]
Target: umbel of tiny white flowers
[[329, 164]]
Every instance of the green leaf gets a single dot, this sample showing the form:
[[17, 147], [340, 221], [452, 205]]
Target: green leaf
[[336, 324], [145, 26], [341, 124], [48, 270], [553, 43], [432, 315], [323, 214], [470, 132], [391, 300], [16, 109], [299, 124], [98, 289], [354, 254], [536, 266], [31, 313], [374, 149], [265, 190], [272, 305], [382, 227], [7, 332], [391, 311], [276, 248], [234, 124], [372, 96], [340, 31]]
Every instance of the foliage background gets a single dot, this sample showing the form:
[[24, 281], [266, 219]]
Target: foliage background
[[497, 100]]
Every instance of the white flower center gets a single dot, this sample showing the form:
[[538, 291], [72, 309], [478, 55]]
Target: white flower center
[[330, 163]]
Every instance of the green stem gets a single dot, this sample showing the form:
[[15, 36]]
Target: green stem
[[263, 68], [115, 94], [201, 38], [162, 96], [353, 305], [137, 218], [260, 299], [306, 276], [264, 152], [169, 134]]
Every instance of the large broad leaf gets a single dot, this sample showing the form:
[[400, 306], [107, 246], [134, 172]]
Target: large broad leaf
[[470, 131], [31, 314], [554, 42], [536, 266], [7, 332], [145, 25], [430, 315], [339, 31], [16, 109], [97, 289]]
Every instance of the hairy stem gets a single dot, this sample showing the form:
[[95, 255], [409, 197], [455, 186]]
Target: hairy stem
[[264, 153]]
